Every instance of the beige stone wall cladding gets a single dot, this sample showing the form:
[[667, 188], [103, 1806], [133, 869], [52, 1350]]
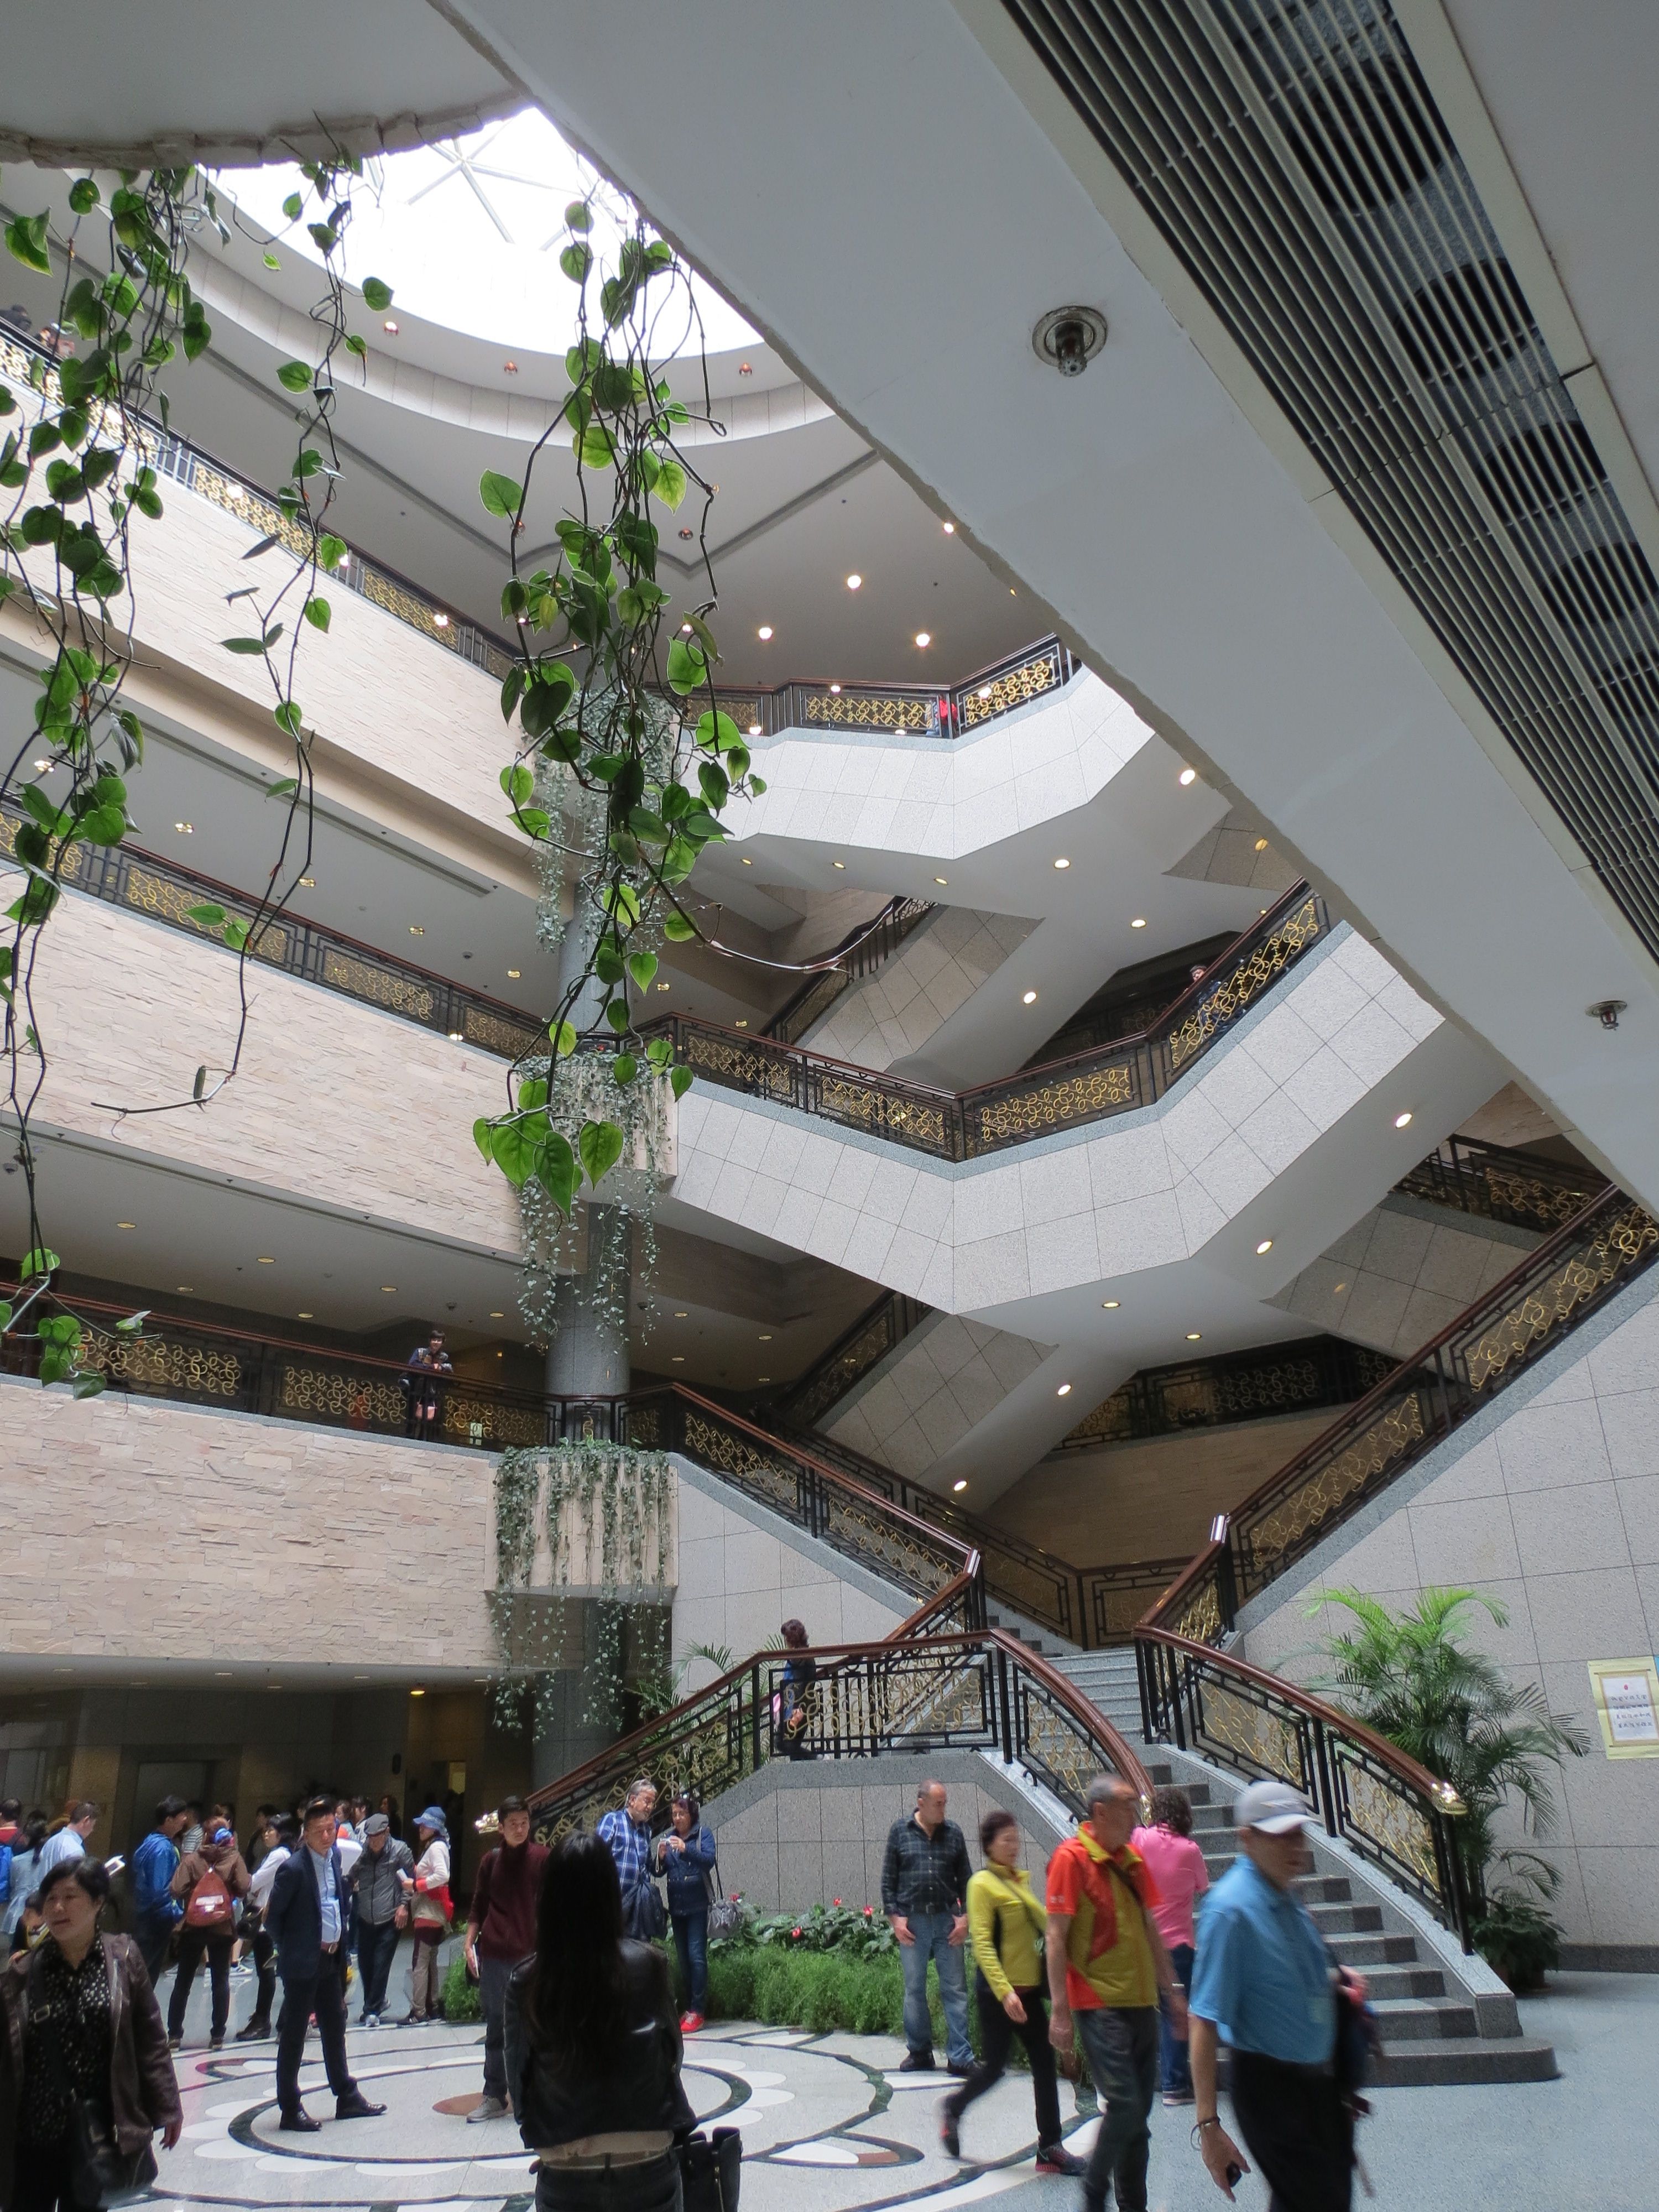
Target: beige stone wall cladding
[[949, 1376], [1555, 1512], [1404, 1272], [335, 1101], [738, 1581], [146, 1530], [933, 974], [581, 1539]]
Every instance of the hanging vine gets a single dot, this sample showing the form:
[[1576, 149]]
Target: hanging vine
[[91, 419], [615, 1498]]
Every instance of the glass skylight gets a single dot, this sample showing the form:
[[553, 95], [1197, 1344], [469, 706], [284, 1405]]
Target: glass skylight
[[468, 231]]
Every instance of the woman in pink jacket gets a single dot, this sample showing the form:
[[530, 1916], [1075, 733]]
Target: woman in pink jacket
[[1177, 1868]]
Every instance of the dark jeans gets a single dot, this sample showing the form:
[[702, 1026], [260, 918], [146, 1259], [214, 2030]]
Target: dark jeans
[[653, 2185], [1173, 2065], [264, 1950], [325, 1997], [40, 2180], [691, 1941], [153, 1937], [376, 1947], [1298, 2133], [494, 1975], [218, 1944], [1121, 2044], [997, 2033]]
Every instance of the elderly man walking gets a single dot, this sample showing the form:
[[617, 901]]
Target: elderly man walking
[[377, 1886], [628, 1832], [924, 1893], [1264, 1984], [1107, 1963]]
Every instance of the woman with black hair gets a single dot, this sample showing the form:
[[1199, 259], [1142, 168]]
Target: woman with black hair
[[83, 2056], [593, 2048], [795, 1697]]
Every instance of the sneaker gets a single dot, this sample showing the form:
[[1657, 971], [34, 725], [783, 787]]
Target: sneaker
[[1054, 2158], [491, 2108], [175, 2044], [1174, 2097], [691, 2022], [917, 2062], [950, 2131], [370, 2019], [214, 2043]]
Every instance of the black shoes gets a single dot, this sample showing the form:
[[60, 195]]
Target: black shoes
[[356, 2106], [917, 2062], [300, 2124], [949, 2131], [960, 2072], [254, 2032]]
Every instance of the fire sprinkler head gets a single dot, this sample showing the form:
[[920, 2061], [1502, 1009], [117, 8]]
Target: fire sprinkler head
[[1068, 338]]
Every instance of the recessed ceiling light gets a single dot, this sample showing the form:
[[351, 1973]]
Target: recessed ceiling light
[[853, 581], [960, 1487], [495, 1315], [754, 729], [765, 1338], [390, 327], [1029, 999], [1261, 844], [126, 1224], [984, 691], [838, 864], [763, 1378], [417, 1693], [764, 632], [747, 862], [744, 369], [458, 1036], [1338, 1291], [305, 1316], [511, 368], [1140, 922], [1402, 1120], [307, 883], [513, 973], [1266, 1245], [685, 532], [677, 1360], [924, 637], [391, 1288], [950, 529], [222, 1674], [185, 1290], [267, 1258], [1193, 1336], [685, 629], [744, 1024], [1187, 776], [441, 620], [835, 689], [680, 1313], [1110, 1305], [1062, 863], [185, 828], [418, 929], [662, 986], [939, 879], [1064, 1391]]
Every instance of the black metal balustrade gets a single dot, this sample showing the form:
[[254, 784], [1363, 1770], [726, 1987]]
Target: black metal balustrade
[[917, 710], [860, 953], [1502, 1185], [1035, 1103], [877, 1331], [1234, 1386], [918, 1691], [161, 890]]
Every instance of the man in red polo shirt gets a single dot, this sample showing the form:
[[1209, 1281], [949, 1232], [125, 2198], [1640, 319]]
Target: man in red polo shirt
[[1107, 1963], [500, 1929]]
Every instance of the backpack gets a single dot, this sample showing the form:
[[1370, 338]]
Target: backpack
[[211, 1903]]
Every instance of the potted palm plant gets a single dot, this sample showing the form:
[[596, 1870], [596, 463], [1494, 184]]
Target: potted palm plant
[[1412, 1676]]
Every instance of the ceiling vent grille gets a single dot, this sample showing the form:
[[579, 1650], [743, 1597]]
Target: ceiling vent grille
[[1293, 158]]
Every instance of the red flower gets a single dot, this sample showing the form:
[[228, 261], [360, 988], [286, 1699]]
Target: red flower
[[869, 1912], [835, 1900], [794, 1931]]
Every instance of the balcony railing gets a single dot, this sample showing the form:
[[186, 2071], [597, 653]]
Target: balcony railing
[[875, 1333], [915, 1692], [860, 953], [1236, 1385], [899, 708], [161, 890], [1035, 1103], [1502, 1185]]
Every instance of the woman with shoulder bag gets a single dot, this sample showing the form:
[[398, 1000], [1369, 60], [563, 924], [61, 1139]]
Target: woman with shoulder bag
[[685, 1856], [594, 2049], [85, 2075], [209, 1882], [795, 1697]]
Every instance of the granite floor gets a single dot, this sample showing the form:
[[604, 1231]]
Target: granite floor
[[828, 2126]]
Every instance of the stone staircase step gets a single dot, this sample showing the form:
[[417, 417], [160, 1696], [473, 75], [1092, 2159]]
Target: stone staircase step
[[1422, 2019], [1347, 1919], [1369, 1953], [1401, 1981], [1461, 2059]]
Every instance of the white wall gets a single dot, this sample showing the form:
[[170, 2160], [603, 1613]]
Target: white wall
[[933, 976], [1550, 1504], [1404, 1272]]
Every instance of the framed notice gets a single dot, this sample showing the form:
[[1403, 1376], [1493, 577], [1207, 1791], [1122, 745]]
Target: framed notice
[[1626, 1692]]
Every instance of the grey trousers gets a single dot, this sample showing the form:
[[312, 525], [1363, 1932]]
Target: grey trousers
[[494, 1975]]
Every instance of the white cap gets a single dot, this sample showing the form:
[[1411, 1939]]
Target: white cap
[[1273, 1807]]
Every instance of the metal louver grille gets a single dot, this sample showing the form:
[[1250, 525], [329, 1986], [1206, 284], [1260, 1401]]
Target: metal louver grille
[[1294, 159]]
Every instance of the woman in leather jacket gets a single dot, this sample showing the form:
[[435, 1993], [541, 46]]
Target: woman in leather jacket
[[593, 2048]]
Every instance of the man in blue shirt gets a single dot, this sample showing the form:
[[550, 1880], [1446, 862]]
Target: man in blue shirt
[[1264, 1983], [156, 1910], [307, 1920], [629, 1835]]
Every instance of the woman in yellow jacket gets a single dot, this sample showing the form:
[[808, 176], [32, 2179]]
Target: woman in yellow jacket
[[1006, 1927]]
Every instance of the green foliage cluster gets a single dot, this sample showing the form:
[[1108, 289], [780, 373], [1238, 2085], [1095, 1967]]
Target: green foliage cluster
[[854, 1931], [462, 1997], [1412, 1677]]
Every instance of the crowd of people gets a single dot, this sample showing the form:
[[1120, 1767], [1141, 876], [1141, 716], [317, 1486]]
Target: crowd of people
[[583, 2043]]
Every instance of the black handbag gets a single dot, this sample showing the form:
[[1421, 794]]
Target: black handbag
[[711, 2171], [644, 1917], [100, 2171]]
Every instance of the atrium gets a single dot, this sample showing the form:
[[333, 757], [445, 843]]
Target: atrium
[[874, 844]]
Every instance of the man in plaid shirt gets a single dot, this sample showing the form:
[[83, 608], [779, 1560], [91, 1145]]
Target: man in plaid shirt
[[629, 1834], [924, 1889]]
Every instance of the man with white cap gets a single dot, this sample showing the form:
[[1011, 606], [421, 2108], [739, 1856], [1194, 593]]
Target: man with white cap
[[1264, 1984]]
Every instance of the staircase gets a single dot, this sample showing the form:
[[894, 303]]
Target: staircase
[[1443, 2018]]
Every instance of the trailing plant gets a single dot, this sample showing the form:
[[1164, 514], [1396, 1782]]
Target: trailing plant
[[1518, 1938], [617, 1494], [92, 420], [1411, 1676], [627, 791]]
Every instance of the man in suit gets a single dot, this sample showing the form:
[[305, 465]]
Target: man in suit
[[307, 1920]]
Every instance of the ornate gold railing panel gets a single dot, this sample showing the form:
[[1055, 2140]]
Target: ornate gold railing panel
[[1222, 1004]]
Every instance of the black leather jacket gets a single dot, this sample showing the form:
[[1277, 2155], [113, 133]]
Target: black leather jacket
[[643, 2092]]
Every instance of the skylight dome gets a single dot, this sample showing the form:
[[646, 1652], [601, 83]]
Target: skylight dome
[[468, 231]]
